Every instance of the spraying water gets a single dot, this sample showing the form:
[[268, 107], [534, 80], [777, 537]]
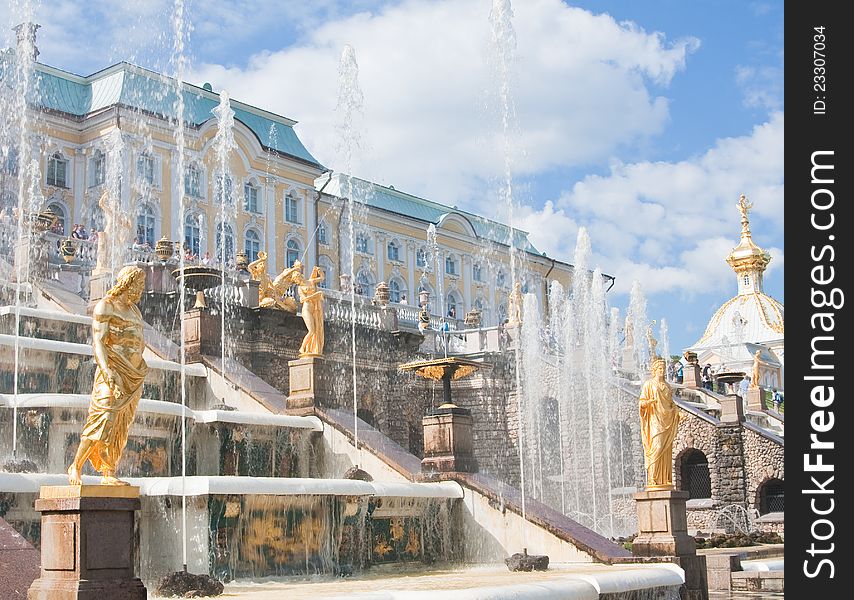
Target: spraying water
[[636, 319], [504, 52], [350, 111], [179, 62]]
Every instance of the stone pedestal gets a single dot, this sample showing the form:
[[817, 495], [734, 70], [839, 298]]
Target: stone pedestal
[[662, 524], [663, 531], [448, 441], [202, 333], [307, 383], [87, 544], [692, 376], [732, 409], [754, 399]]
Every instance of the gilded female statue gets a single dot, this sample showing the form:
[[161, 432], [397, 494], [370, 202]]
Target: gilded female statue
[[118, 346], [312, 313], [757, 359], [659, 420]]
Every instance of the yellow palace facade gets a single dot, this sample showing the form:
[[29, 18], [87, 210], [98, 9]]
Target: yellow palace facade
[[117, 128]]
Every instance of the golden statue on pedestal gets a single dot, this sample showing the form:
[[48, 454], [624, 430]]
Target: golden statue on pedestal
[[659, 417], [118, 346], [757, 360], [273, 293], [312, 313]]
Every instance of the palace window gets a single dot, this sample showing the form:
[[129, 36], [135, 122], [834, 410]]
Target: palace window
[[252, 244], [57, 170], [393, 291], [228, 196], [193, 181], [291, 209], [323, 234], [98, 173], [145, 168], [292, 252], [393, 251], [192, 234], [421, 258], [362, 243], [499, 279], [59, 210], [477, 272], [250, 198], [145, 225], [450, 265], [228, 247]]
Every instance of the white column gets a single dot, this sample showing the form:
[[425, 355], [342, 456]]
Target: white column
[[311, 229], [466, 279], [80, 159], [271, 221], [380, 251], [412, 293]]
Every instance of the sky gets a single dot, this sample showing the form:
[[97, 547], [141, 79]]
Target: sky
[[642, 122]]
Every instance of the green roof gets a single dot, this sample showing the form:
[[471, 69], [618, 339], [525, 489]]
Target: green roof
[[392, 200], [134, 87]]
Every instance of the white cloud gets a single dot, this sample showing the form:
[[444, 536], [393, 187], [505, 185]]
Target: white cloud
[[424, 72], [668, 224]]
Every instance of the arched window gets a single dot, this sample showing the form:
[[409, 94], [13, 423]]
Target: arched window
[[746, 280], [421, 257], [252, 244], [477, 272], [323, 233], [500, 278], [250, 198], [145, 225], [193, 181], [145, 168], [362, 244], [292, 252], [771, 495], [57, 170], [695, 475], [98, 168], [229, 242], [192, 233], [454, 306], [394, 291], [364, 284], [393, 251], [61, 217]]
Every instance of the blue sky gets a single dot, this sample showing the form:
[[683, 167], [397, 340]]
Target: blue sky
[[641, 121]]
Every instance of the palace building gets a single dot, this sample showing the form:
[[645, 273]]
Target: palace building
[[120, 123]]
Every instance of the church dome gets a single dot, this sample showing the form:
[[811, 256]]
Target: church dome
[[751, 316]]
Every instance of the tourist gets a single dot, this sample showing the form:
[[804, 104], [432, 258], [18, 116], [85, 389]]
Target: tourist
[[679, 373], [671, 372], [452, 312], [206, 259], [707, 377], [78, 233], [777, 398], [403, 299], [743, 386]]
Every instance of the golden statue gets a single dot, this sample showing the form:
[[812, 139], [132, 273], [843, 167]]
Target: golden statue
[[514, 305], [754, 380], [118, 345], [312, 313], [273, 293], [659, 421]]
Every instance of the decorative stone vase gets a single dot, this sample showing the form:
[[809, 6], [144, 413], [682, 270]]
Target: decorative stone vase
[[164, 248], [691, 357], [67, 250], [242, 261], [344, 283], [45, 220], [423, 297], [381, 294]]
